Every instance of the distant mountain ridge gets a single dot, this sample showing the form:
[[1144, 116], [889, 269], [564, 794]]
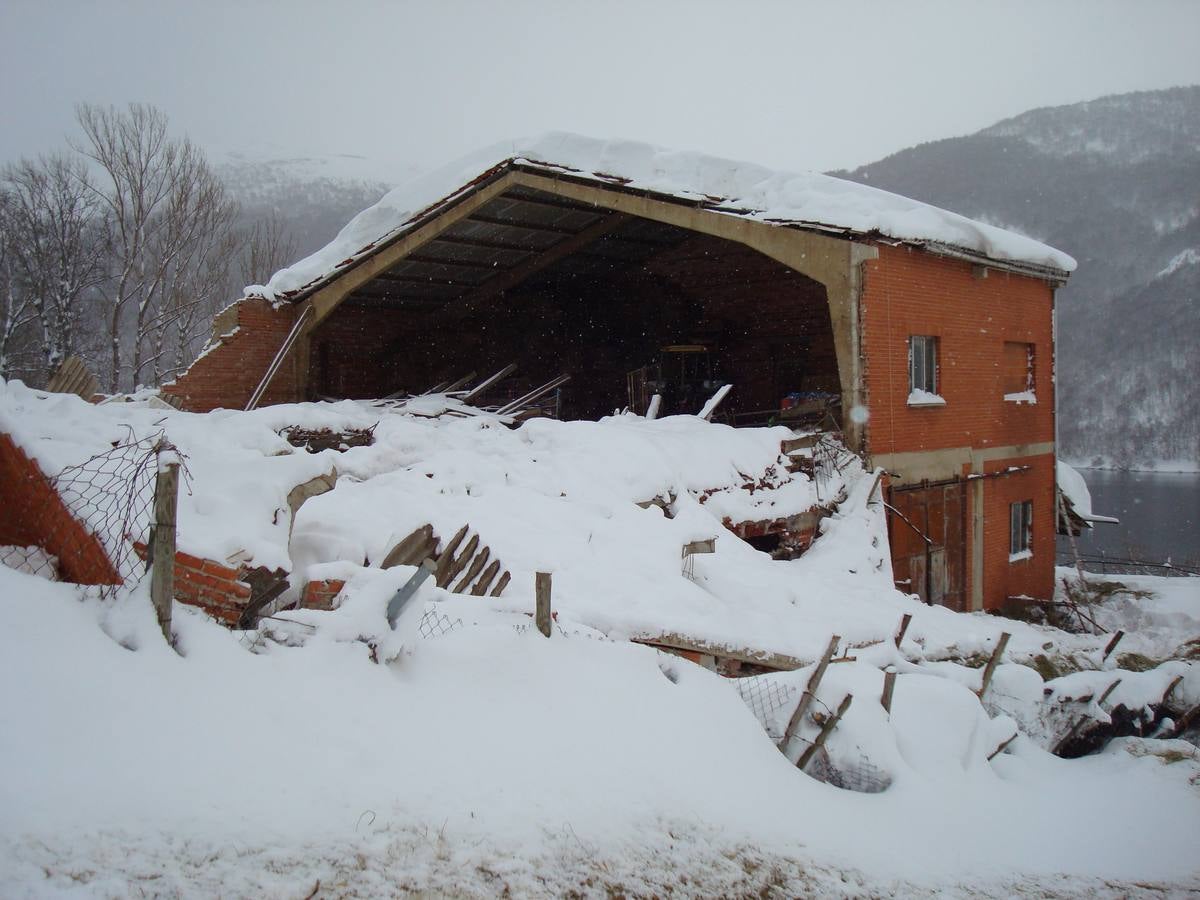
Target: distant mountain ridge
[[1116, 183]]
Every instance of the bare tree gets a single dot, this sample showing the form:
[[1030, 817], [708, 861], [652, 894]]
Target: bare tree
[[16, 312], [267, 247], [166, 212], [53, 255]]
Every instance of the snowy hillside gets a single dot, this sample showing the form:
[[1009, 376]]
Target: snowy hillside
[[463, 753], [1112, 182]]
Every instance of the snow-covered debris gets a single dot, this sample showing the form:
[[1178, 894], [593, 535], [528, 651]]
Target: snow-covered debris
[[728, 186]]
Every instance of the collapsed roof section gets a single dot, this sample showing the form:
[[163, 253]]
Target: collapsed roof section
[[809, 201]]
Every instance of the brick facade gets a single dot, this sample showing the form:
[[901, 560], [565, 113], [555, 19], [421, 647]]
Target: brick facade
[[911, 292], [976, 319]]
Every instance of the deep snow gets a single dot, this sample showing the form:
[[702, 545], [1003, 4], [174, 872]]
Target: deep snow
[[262, 763]]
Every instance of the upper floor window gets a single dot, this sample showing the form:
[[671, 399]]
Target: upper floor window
[[1017, 372], [923, 371], [1020, 530]]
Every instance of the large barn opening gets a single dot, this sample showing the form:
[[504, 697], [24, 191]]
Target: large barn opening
[[626, 306]]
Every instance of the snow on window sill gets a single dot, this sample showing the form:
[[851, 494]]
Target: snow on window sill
[[1022, 397], [924, 398], [1017, 557]]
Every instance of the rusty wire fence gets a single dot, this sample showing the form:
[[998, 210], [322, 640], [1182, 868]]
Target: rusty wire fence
[[97, 529]]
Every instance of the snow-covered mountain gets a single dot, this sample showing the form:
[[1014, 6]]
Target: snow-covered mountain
[[1116, 183], [312, 196]]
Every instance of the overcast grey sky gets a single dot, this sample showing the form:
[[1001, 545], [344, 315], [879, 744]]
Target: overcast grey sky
[[793, 85]]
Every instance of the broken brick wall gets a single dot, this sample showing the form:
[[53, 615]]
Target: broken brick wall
[[34, 515], [246, 337]]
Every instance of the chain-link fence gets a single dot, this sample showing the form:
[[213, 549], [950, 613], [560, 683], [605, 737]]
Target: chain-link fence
[[764, 696], [88, 531]]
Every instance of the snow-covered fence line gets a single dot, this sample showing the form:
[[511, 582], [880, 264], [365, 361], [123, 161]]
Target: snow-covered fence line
[[91, 523]]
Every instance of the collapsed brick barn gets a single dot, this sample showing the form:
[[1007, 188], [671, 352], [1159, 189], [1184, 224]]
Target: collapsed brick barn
[[925, 339]]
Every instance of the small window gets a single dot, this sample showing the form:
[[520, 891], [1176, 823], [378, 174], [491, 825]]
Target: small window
[[1020, 540], [1017, 372], [922, 366]]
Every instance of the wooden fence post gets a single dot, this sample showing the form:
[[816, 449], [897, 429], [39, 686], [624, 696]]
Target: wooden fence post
[[162, 572], [990, 669], [806, 698], [543, 602], [889, 685], [826, 729]]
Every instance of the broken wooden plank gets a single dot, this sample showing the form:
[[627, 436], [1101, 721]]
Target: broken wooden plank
[[670, 640], [485, 580], [826, 730], [477, 564], [488, 382], [408, 551], [905, 621], [501, 585], [714, 401], [536, 394], [446, 557], [450, 572]]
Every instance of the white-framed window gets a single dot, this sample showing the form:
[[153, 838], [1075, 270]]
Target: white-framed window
[[1020, 531], [1017, 372], [923, 371]]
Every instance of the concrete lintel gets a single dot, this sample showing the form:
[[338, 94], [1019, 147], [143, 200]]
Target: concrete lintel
[[934, 465]]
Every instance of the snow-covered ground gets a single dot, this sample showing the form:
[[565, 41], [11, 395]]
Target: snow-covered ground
[[286, 762]]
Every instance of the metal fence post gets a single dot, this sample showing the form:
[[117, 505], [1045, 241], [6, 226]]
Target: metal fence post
[[162, 574]]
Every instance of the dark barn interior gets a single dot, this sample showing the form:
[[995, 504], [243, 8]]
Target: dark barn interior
[[557, 286]]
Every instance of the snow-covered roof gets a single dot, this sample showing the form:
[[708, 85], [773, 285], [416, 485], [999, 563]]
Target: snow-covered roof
[[729, 187]]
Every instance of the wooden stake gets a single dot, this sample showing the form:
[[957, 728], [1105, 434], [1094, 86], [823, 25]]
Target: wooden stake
[[1000, 749], [162, 576], [889, 685], [1108, 690], [825, 731], [806, 698], [542, 590], [905, 620], [990, 669], [1112, 645]]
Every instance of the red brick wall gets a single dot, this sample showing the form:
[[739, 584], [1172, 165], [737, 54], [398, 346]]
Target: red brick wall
[[34, 515], [227, 375], [1032, 577], [909, 291]]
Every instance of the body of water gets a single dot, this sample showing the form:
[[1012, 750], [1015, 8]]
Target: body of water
[[1159, 513]]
